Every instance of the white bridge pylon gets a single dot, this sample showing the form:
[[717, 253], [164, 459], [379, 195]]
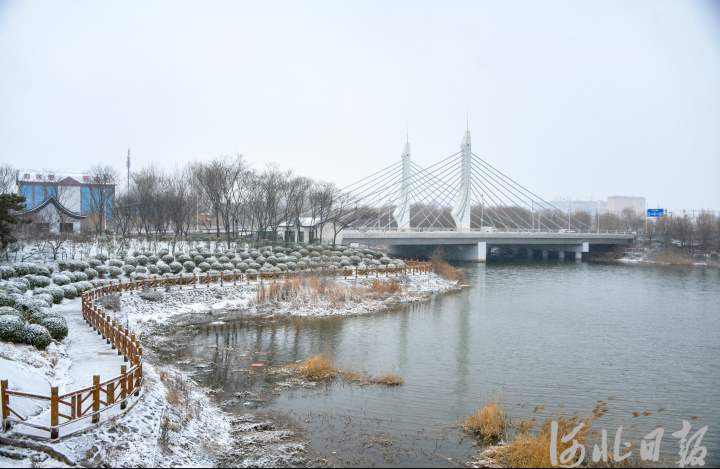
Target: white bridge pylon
[[461, 192]]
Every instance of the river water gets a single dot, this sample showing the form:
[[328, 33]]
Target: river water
[[546, 339]]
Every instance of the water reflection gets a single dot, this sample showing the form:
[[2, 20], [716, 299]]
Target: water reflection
[[559, 335]]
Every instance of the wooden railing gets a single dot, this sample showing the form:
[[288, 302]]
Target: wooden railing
[[91, 401]]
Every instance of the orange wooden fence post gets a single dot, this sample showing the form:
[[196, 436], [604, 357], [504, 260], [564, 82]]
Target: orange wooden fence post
[[123, 386], [5, 402], [110, 393], [96, 399], [54, 413]]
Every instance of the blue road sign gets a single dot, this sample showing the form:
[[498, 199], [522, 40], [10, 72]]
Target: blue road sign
[[655, 212]]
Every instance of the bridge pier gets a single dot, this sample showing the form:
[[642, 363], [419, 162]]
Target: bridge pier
[[529, 253], [561, 255], [545, 254]]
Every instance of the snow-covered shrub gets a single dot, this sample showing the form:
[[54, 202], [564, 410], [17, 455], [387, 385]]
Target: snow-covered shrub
[[151, 295], [24, 268], [153, 259], [163, 252], [183, 258], [204, 266], [251, 271], [21, 284], [163, 268], [130, 261], [138, 276], [9, 310], [54, 291], [81, 276], [152, 268], [114, 271], [141, 270], [75, 266], [128, 269], [6, 271], [36, 335], [60, 279], [116, 263], [168, 258], [142, 260], [37, 281], [101, 270], [281, 266], [101, 257], [71, 275], [45, 297], [175, 267], [11, 328], [56, 326], [198, 259], [189, 266], [82, 286], [70, 291], [223, 259], [242, 266], [91, 273], [92, 262]]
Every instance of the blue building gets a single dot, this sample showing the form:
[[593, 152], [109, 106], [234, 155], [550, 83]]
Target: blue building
[[78, 193]]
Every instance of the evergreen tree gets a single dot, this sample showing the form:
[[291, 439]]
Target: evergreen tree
[[10, 204]]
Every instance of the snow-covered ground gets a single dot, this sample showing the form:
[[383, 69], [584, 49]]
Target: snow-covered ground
[[240, 300], [173, 422]]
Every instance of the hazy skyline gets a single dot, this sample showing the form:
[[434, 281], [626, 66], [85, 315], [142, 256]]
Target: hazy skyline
[[580, 99]]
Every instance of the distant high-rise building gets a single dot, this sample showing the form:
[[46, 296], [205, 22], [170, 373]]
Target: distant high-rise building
[[617, 203]]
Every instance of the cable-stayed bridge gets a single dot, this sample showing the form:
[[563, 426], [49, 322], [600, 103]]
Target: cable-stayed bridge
[[464, 204]]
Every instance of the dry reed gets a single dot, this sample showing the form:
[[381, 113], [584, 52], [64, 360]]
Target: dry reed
[[444, 269], [489, 423]]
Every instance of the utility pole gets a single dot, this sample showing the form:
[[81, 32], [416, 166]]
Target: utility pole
[[128, 171]]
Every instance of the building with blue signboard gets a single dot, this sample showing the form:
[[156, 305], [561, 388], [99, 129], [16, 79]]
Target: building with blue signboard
[[75, 193]]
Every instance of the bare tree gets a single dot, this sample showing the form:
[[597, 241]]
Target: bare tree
[[8, 179], [101, 195], [705, 228], [321, 202]]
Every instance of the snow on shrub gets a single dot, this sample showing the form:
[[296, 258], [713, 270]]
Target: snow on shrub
[[11, 328], [60, 279], [81, 276], [204, 266], [168, 259], [44, 296], [139, 276], [36, 335], [130, 261], [56, 326], [114, 271], [116, 263], [7, 271], [183, 258], [142, 260], [70, 291], [175, 267], [223, 259], [92, 273], [101, 270], [141, 270], [9, 310], [189, 266], [163, 268], [153, 259], [92, 262], [198, 259], [24, 268], [242, 266], [54, 291], [128, 269], [82, 286], [21, 284], [152, 268], [101, 257], [37, 281], [151, 295], [71, 275]]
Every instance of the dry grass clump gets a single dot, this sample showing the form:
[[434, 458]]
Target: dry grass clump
[[316, 368], [304, 290], [674, 257], [388, 379], [444, 269], [380, 288], [528, 450], [320, 368], [489, 423]]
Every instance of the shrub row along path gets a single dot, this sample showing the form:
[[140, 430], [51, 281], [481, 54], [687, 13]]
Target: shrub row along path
[[87, 353]]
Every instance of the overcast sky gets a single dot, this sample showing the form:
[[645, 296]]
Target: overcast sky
[[579, 98]]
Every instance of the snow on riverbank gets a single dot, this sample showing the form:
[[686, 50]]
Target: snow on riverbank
[[165, 306]]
